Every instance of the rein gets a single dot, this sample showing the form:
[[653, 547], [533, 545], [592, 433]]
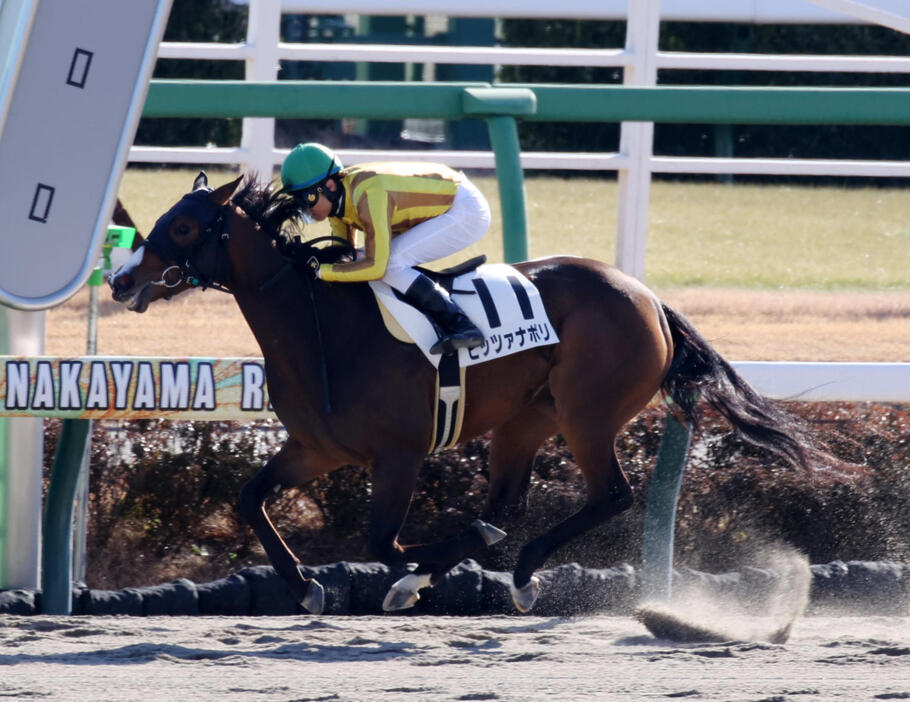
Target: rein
[[297, 255], [326, 392]]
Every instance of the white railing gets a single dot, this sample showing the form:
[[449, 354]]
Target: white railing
[[828, 382], [639, 59]]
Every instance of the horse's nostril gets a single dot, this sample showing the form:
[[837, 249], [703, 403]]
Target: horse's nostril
[[122, 282]]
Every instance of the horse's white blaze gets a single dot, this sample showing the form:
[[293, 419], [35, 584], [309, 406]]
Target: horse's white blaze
[[131, 264]]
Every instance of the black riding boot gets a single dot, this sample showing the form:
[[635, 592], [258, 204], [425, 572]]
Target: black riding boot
[[455, 330]]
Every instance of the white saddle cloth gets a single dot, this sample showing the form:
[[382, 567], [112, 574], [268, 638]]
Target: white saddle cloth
[[501, 301]]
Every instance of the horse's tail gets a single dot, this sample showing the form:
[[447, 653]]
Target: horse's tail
[[698, 373]]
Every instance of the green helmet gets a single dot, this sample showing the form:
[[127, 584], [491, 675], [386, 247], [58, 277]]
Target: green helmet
[[308, 164]]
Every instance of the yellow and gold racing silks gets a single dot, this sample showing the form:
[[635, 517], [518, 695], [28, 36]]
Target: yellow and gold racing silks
[[384, 200]]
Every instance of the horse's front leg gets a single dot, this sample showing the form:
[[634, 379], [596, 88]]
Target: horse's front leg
[[394, 477], [290, 467]]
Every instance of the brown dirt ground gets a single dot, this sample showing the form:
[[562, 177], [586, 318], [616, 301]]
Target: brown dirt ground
[[742, 325]]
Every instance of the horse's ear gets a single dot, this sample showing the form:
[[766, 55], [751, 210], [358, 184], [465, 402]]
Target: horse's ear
[[222, 195], [201, 182]]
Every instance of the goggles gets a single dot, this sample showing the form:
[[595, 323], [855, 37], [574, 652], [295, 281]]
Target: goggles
[[309, 196]]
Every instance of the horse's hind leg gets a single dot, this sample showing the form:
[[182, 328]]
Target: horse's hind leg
[[612, 364], [593, 402], [394, 475], [513, 448], [288, 468], [609, 493]]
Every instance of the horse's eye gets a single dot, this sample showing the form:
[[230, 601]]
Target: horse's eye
[[183, 229]]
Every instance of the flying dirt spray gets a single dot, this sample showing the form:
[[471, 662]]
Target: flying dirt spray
[[697, 613]]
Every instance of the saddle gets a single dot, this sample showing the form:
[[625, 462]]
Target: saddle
[[446, 277]]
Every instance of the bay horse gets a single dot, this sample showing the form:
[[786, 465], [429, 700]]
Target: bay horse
[[619, 347]]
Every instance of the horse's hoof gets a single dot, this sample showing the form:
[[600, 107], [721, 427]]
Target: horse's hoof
[[314, 601], [525, 596], [404, 593], [488, 532]]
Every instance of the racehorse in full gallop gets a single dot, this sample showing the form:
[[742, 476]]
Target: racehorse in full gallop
[[619, 347]]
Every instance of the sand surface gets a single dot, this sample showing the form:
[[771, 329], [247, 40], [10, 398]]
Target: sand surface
[[440, 658]]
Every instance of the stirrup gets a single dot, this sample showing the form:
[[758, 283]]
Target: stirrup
[[450, 343]]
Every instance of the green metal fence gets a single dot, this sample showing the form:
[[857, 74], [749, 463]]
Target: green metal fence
[[555, 103]]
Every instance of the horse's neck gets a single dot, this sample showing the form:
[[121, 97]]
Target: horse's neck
[[274, 299], [259, 281], [253, 258]]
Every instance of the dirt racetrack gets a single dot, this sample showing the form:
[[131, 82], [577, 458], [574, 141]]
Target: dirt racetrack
[[529, 659], [742, 325]]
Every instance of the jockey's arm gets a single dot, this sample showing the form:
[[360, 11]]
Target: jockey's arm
[[373, 210], [342, 230]]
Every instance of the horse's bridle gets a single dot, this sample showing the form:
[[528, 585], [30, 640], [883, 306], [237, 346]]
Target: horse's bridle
[[205, 263]]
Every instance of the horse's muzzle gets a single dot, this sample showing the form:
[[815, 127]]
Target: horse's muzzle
[[121, 286], [124, 290]]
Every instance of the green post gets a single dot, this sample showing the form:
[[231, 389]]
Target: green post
[[660, 513], [57, 559], [506, 150], [498, 106]]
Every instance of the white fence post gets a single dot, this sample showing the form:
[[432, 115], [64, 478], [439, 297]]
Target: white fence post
[[637, 140], [21, 451], [263, 35]]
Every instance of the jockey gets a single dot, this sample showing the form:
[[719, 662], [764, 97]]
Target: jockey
[[410, 213]]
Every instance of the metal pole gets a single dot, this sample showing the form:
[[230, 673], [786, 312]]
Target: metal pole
[[660, 513], [21, 451], [119, 240], [80, 539], [56, 578], [507, 151]]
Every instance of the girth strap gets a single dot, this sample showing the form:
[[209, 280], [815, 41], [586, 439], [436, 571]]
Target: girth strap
[[449, 402]]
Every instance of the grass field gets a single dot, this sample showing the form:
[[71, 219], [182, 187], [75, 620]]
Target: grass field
[[700, 234]]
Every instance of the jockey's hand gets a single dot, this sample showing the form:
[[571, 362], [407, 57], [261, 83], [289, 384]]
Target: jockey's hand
[[313, 263]]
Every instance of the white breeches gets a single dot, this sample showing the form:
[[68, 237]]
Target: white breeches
[[465, 222]]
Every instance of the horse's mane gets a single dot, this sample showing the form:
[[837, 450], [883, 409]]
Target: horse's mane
[[268, 206], [279, 217]]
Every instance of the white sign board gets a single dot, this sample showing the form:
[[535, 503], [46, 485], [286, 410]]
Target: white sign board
[[73, 99]]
